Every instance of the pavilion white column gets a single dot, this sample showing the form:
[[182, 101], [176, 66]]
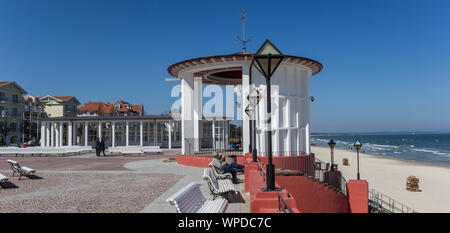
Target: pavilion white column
[[86, 125], [304, 113], [307, 113], [100, 129], [198, 113], [245, 118], [154, 133], [113, 133], [127, 133], [69, 133], [170, 134], [75, 140], [52, 132], [43, 134], [60, 134], [141, 134], [213, 126], [47, 134], [56, 144], [187, 112]]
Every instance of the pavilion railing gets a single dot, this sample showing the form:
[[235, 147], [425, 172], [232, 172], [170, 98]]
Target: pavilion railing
[[210, 147]]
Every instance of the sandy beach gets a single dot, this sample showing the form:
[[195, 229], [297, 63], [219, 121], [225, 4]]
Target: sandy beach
[[388, 176]]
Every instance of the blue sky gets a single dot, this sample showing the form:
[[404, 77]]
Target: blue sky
[[386, 63]]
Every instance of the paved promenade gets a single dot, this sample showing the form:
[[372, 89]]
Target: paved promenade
[[112, 184]]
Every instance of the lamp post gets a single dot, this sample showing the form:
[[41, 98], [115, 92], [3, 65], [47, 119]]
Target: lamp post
[[358, 146], [4, 114], [253, 99], [332, 144], [267, 60]]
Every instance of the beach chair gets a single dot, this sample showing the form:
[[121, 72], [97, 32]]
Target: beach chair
[[23, 171]]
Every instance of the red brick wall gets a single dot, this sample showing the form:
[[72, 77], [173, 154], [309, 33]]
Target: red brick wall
[[313, 197], [303, 163], [201, 161]]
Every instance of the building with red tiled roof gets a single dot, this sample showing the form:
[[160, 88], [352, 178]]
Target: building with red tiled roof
[[119, 108]]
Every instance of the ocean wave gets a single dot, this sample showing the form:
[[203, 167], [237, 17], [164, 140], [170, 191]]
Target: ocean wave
[[436, 152]]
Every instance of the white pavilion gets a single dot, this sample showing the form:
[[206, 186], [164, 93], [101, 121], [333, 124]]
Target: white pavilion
[[290, 94]]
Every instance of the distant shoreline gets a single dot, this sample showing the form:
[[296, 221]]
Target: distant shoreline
[[389, 158]]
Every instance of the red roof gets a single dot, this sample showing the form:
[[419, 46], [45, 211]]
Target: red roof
[[64, 97], [101, 108]]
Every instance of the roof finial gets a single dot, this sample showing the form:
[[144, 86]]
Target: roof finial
[[243, 40]]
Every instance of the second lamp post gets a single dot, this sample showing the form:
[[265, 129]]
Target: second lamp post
[[267, 60]]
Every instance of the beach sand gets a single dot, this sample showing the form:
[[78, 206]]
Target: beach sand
[[388, 176]]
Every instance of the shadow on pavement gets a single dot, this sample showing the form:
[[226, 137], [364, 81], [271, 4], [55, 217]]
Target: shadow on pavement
[[8, 185]]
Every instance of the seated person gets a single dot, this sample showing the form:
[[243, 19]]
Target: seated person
[[222, 167]]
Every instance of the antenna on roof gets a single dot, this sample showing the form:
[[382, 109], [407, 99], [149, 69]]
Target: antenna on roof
[[243, 40]]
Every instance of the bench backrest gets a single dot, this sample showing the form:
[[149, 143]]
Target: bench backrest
[[212, 179], [15, 166], [189, 199], [214, 171]]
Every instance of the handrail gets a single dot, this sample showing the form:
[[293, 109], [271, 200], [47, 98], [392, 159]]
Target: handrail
[[286, 205], [261, 170], [380, 203]]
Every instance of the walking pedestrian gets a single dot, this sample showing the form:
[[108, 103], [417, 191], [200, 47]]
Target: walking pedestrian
[[97, 146], [102, 146]]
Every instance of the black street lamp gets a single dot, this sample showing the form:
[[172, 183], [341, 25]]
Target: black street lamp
[[267, 60], [253, 99], [4, 115], [332, 144], [358, 146]]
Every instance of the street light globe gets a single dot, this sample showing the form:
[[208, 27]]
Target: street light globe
[[268, 58], [357, 145], [249, 110], [332, 143], [254, 97]]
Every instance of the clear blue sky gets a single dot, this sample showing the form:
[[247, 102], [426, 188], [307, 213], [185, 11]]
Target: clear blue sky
[[386, 62]]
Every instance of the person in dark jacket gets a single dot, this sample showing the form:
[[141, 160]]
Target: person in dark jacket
[[222, 167], [97, 146], [102, 146]]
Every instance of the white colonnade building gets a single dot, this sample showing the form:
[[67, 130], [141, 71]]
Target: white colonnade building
[[161, 131], [290, 99]]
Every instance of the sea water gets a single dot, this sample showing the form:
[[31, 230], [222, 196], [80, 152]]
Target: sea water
[[424, 148]]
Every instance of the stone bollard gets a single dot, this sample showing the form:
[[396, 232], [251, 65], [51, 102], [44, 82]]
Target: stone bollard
[[412, 184], [345, 162]]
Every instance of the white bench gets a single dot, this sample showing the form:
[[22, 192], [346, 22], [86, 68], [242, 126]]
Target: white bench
[[3, 179], [217, 175], [190, 199], [221, 187], [23, 171]]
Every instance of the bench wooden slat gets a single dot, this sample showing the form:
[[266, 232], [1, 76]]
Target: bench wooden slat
[[218, 187]]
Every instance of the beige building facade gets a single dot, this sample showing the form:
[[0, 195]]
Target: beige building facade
[[55, 106], [11, 112]]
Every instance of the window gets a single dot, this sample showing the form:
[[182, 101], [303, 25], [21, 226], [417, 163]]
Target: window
[[2, 95], [14, 112], [15, 98]]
